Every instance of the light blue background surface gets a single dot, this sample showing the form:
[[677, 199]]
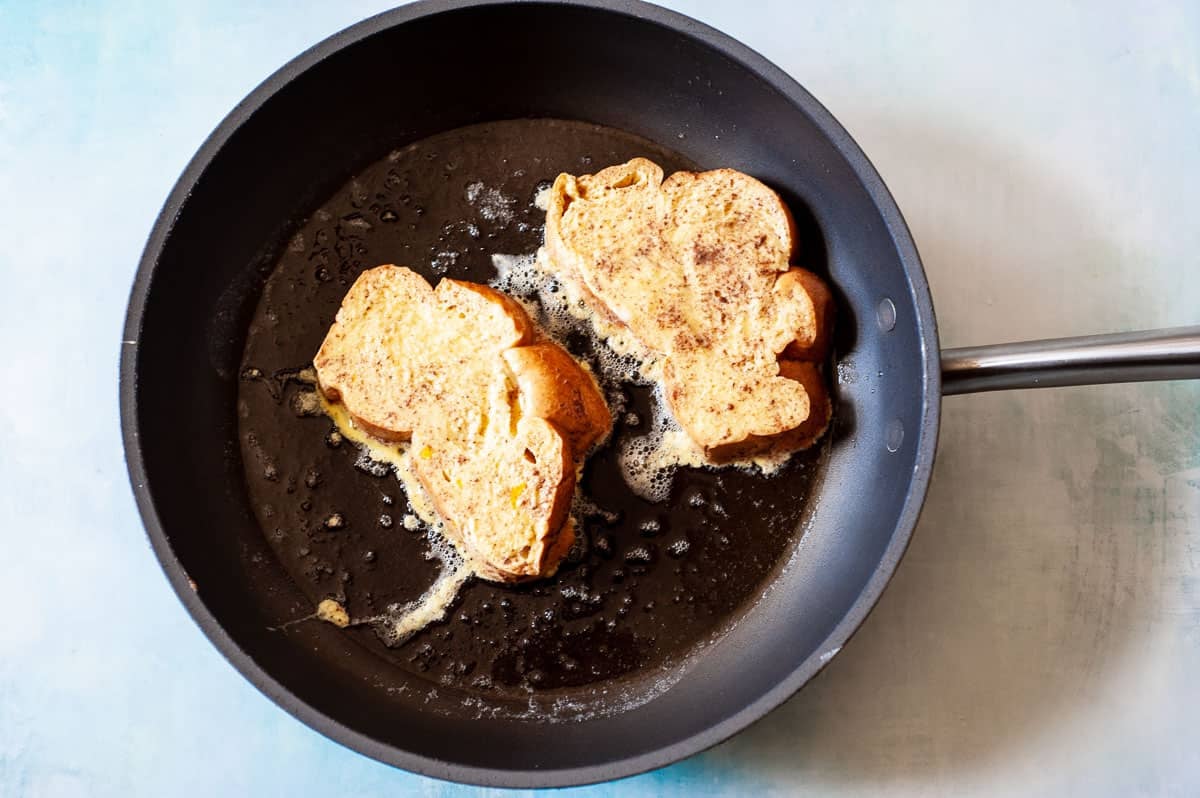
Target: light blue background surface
[[1042, 636]]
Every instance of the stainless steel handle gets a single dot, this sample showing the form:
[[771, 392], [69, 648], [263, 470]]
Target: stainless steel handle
[[1172, 354]]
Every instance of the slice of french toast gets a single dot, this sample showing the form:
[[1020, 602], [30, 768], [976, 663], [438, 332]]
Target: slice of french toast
[[498, 421], [697, 268]]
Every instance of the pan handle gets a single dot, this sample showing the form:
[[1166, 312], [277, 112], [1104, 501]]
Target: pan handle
[[1171, 354]]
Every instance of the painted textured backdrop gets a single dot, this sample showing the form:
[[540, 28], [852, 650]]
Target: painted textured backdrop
[[1042, 636]]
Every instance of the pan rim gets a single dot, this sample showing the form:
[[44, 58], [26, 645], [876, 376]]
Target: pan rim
[[926, 442]]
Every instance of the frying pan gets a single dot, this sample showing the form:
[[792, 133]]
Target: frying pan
[[441, 65]]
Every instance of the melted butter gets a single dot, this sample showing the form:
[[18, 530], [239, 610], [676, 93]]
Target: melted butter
[[402, 622]]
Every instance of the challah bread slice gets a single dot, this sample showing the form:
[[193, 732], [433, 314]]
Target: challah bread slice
[[385, 355], [494, 445], [697, 268]]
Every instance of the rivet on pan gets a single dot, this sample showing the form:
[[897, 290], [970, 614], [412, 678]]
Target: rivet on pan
[[894, 435], [885, 314]]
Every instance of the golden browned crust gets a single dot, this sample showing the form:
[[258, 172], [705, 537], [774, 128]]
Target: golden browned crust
[[554, 387], [697, 268], [816, 328], [495, 445]]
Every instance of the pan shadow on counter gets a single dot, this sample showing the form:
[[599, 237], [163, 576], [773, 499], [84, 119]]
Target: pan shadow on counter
[[1052, 532]]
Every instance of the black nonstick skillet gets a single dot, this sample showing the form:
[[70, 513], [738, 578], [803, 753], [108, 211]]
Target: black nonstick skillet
[[420, 137]]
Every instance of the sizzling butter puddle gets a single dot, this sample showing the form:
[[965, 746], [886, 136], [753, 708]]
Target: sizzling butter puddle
[[601, 654], [648, 462]]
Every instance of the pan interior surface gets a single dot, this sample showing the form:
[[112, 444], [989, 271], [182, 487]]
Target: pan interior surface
[[379, 88], [650, 582]]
